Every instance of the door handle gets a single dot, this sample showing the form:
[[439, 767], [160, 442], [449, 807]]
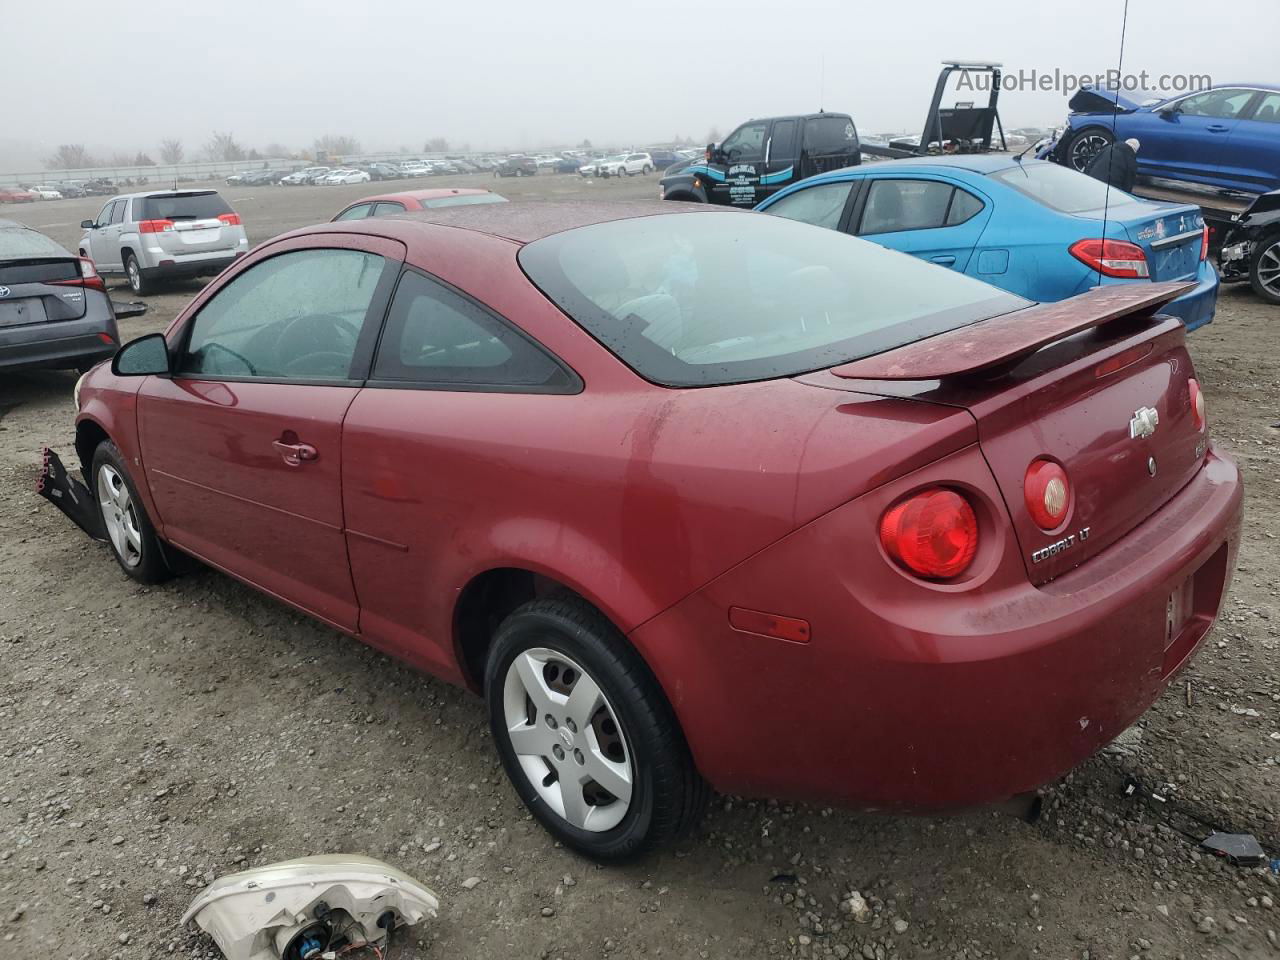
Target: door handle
[[1217, 128], [295, 454], [946, 260]]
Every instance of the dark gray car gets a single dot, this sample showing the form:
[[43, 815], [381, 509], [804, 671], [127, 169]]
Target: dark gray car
[[54, 308]]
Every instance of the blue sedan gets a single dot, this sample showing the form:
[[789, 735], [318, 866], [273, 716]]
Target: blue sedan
[[1030, 227], [1227, 136]]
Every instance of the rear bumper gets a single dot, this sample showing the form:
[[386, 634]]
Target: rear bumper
[[933, 698], [1198, 307], [191, 265], [59, 344]]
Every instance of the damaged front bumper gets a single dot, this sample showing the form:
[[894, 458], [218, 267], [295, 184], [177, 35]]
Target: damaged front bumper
[[69, 495]]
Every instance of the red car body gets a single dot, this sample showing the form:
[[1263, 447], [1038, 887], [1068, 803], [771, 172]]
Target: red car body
[[684, 514], [410, 201], [10, 195]]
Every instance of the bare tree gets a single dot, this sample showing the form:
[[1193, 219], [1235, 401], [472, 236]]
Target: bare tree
[[278, 150], [71, 156], [171, 151], [337, 145], [436, 145], [223, 146], [142, 160]]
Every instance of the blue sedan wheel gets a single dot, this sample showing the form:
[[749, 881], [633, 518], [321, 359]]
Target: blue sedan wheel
[[1086, 145]]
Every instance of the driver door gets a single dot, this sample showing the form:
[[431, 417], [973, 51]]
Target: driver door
[[736, 177], [241, 445]]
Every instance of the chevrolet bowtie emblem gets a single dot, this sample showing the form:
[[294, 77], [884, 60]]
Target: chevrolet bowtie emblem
[[1144, 423]]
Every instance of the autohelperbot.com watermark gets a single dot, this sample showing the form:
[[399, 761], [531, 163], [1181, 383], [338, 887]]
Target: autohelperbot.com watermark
[[1067, 82]]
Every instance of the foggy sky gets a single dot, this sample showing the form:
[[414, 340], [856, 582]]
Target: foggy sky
[[502, 74]]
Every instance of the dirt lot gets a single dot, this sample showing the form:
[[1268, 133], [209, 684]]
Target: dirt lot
[[157, 738]]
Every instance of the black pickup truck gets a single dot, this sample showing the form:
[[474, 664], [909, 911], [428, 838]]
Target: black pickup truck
[[763, 156]]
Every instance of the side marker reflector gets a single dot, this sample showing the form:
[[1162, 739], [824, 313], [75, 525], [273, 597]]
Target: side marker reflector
[[791, 629]]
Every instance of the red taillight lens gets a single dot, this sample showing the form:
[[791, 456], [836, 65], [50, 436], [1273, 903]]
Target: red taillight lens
[[1204, 244], [88, 276], [1048, 493], [1112, 258], [155, 226], [230, 219], [934, 533], [1197, 404]]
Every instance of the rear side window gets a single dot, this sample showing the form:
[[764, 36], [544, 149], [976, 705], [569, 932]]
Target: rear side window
[[896, 205], [826, 135], [296, 316], [821, 205], [180, 206], [1269, 109], [964, 207], [435, 336]]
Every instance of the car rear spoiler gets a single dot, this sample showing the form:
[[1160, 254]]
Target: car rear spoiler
[[998, 341]]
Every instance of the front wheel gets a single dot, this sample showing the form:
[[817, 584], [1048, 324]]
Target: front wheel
[[647, 170], [129, 531], [1085, 145], [586, 734], [1264, 273]]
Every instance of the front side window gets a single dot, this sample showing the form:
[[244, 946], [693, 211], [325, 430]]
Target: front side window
[[715, 297], [782, 145], [296, 316], [1218, 104], [745, 143], [436, 336], [820, 205], [105, 216], [358, 212], [117, 212], [896, 205], [387, 207]]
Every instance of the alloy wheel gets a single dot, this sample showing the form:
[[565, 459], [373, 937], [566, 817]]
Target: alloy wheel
[[135, 277], [567, 739], [1269, 269], [119, 516], [1086, 148]]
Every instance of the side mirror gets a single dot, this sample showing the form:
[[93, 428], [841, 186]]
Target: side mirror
[[711, 152], [86, 224], [146, 356], [1169, 113]]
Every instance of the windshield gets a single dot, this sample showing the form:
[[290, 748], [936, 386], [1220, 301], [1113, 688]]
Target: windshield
[[1059, 187], [717, 297], [183, 206]]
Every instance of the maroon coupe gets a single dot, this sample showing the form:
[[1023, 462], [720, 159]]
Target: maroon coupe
[[692, 497]]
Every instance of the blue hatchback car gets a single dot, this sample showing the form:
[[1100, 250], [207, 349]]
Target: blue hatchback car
[[1030, 227], [1226, 137]]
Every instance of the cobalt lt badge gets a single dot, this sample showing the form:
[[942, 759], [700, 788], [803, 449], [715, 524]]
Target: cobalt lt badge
[[1143, 424]]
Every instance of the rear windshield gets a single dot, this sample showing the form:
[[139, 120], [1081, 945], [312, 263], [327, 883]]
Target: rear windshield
[[19, 243], [463, 200], [697, 299], [1059, 188], [180, 206]]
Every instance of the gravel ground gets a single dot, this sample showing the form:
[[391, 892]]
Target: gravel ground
[[155, 738]]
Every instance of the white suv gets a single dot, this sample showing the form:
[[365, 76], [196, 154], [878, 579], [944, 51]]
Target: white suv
[[628, 163]]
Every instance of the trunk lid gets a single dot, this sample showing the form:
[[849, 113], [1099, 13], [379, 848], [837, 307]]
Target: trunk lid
[[1170, 235], [39, 290], [1071, 400]]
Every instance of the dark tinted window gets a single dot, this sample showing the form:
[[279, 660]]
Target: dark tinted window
[[180, 206], [820, 205], [434, 335], [296, 316], [823, 135], [358, 212], [964, 207], [783, 145], [894, 205], [1059, 187], [717, 297], [746, 143]]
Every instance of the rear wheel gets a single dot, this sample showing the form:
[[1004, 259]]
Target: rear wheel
[[1086, 145], [1264, 273], [586, 734], [137, 282], [129, 531]]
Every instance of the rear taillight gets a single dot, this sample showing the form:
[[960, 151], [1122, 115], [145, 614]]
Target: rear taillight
[[230, 219], [1112, 258], [1204, 244], [1048, 493], [155, 226], [933, 534], [1198, 416], [88, 276]]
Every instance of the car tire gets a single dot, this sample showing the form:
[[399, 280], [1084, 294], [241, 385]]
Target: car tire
[[1085, 145], [647, 170], [130, 534], [624, 732], [138, 283], [1264, 270]]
